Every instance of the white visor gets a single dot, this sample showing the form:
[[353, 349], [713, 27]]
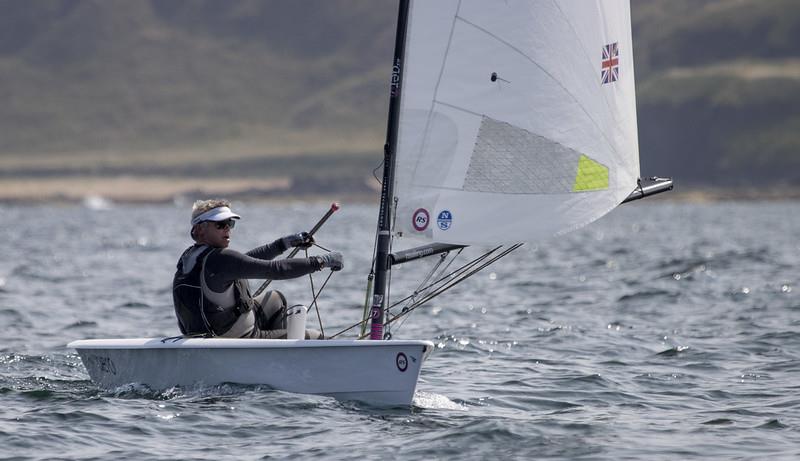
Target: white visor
[[215, 214]]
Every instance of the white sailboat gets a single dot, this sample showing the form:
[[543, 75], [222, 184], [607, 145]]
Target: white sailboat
[[510, 121]]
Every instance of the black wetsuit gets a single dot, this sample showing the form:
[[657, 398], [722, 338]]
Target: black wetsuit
[[224, 267]]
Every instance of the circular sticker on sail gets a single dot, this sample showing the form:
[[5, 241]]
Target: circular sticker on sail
[[444, 219], [402, 361], [421, 219]]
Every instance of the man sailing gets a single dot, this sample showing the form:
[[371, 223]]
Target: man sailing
[[210, 290]]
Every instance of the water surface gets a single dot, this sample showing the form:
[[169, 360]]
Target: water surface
[[663, 331]]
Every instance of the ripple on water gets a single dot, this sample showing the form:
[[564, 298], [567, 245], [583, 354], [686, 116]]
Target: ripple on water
[[47, 274], [80, 324], [773, 424], [719, 422], [433, 401], [649, 295], [673, 351]]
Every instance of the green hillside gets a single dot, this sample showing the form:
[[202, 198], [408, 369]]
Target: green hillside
[[153, 75], [718, 85], [177, 87]]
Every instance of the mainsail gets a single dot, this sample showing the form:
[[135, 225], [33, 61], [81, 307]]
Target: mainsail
[[517, 119]]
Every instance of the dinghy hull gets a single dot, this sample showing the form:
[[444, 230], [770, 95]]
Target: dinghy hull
[[377, 372]]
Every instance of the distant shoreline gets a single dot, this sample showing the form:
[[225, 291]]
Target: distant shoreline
[[696, 194], [155, 190]]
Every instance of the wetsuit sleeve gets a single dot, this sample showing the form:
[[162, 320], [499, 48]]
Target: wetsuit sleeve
[[268, 251], [227, 265]]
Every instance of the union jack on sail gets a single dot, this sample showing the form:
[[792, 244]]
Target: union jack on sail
[[610, 64]]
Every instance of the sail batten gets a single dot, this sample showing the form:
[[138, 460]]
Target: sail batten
[[518, 120]]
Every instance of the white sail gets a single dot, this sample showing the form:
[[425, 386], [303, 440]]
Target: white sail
[[518, 118]]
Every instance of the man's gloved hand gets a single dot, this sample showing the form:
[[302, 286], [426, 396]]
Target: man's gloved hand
[[333, 260], [302, 240]]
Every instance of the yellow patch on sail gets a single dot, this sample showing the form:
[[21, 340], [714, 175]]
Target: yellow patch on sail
[[591, 175]]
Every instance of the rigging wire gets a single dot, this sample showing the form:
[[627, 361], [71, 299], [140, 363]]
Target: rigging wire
[[314, 300], [445, 282], [377, 224], [388, 332], [453, 274], [427, 278], [424, 290], [440, 280], [371, 274], [450, 285], [375, 173], [427, 288]]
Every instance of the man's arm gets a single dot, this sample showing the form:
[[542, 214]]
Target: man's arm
[[228, 265], [302, 240], [268, 251]]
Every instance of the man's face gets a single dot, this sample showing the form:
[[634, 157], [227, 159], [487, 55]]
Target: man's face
[[216, 234]]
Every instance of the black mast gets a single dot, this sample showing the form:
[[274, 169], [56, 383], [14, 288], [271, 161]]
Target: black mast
[[389, 150]]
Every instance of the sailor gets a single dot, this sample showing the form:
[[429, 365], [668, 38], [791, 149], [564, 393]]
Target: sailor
[[210, 290]]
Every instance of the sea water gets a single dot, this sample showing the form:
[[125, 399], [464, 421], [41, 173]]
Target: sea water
[[663, 331]]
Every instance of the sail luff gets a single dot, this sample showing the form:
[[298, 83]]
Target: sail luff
[[382, 263]]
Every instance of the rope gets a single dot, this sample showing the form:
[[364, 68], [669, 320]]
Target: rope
[[314, 301], [387, 330], [455, 273], [427, 278], [453, 283], [455, 277], [320, 247]]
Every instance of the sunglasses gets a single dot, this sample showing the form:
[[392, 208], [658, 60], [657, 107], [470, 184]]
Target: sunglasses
[[227, 223]]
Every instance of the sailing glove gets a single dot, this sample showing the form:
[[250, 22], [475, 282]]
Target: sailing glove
[[302, 240], [333, 260]]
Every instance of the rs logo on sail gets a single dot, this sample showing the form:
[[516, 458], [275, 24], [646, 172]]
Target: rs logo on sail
[[421, 219]]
